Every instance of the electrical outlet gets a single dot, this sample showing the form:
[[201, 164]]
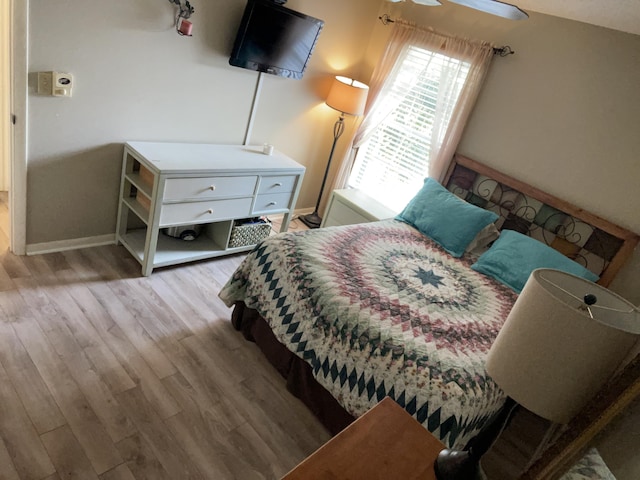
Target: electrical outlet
[[45, 83]]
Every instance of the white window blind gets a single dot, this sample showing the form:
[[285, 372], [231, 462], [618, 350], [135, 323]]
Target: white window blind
[[392, 164]]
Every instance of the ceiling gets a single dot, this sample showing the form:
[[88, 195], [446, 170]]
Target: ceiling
[[623, 15]]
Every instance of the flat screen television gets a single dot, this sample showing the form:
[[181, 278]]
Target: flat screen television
[[275, 39]]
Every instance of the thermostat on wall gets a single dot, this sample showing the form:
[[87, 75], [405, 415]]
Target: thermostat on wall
[[57, 84]]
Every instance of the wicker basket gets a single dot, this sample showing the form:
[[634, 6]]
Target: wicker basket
[[243, 234]]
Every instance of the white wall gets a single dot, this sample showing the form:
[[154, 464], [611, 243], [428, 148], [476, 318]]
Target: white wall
[[137, 79]]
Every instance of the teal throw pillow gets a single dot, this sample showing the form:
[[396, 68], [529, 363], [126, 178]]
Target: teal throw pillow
[[513, 256], [445, 218]]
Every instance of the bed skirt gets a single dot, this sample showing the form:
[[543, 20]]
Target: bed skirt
[[297, 372]]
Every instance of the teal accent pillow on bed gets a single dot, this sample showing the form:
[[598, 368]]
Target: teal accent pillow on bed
[[448, 220], [513, 256]]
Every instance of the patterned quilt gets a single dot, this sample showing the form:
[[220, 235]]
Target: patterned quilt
[[380, 310]]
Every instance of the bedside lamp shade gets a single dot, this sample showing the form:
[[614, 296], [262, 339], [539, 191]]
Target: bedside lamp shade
[[564, 338], [347, 96]]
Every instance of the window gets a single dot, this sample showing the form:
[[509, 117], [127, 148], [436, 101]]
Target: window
[[393, 162]]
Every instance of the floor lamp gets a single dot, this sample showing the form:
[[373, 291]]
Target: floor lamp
[[563, 339], [347, 96]]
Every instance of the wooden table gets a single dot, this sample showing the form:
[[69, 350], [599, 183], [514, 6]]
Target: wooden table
[[384, 443]]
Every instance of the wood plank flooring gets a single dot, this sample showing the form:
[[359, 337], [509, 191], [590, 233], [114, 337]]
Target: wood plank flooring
[[108, 375]]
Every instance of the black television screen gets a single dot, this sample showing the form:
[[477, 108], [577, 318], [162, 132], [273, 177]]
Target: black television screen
[[275, 39]]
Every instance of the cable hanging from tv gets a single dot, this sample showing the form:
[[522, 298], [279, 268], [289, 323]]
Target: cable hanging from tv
[[184, 11]]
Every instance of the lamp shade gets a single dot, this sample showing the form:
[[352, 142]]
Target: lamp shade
[[347, 96], [428, 3], [557, 349]]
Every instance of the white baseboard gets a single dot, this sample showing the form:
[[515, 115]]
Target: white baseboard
[[71, 244]]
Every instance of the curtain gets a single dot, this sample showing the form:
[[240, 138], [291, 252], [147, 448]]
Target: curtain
[[446, 136]]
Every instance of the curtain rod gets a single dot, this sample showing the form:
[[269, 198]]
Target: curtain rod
[[500, 51]]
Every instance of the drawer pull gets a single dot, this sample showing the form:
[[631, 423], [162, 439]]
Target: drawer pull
[[271, 204], [212, 187], [210, 211], [279, 184]]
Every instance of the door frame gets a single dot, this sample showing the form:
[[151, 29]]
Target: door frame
[[5, 92], [19, 91]]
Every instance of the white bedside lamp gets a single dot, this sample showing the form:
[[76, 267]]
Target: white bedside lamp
[[563, 339], [349, 97]]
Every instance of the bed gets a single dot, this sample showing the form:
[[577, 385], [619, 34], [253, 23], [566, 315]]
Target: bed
[[351, 314]]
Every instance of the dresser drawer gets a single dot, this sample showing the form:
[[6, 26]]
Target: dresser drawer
[[277, 184], [271, 202], [208, 187], [204, 212]]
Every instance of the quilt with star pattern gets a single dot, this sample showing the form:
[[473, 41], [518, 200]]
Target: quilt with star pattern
[[379, 310]]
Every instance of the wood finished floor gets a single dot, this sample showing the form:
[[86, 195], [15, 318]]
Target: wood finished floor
[[105, 374]]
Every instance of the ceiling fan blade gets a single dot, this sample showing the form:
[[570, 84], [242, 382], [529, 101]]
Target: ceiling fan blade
[[495, 7], [429, 3]]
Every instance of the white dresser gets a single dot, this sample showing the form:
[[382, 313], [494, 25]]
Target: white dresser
[[349, 206], [165, 185]]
